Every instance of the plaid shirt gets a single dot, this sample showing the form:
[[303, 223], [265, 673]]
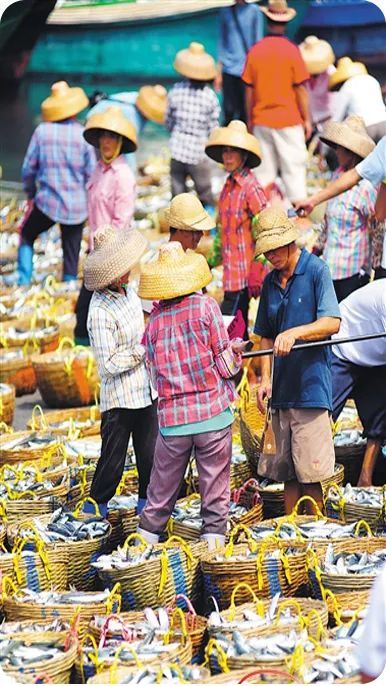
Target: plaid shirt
[[345, 235], [191, 115], [57, 165], [190, 359], [241, 198], [115, 324]]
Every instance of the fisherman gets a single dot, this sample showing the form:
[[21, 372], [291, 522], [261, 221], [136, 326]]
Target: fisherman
[[56, 168], [116, 326], [297, 303]]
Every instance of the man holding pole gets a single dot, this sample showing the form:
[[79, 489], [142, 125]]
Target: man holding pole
[[298, 303]]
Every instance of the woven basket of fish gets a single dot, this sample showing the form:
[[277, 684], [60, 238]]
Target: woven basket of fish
[[252, 423], [53, 658], [268, 567], [164, 674], [358, 502], [240, 471], [129, 481], [74, 422], [28, 445], [36, 570], [122, 515], [39, 498], [252, 675], [332, 663], [34, 632], [184, 616], [68, 376], [16, 369], [344, 606], [7, 403], [43, 336]]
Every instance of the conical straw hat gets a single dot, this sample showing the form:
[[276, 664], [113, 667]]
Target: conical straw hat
[[278, 10], [345, 69], [112, 120], [350, 133], [317, 54], [235, 135], [194, 63], [173, 273], [63, 102], [187, 213], [115, 252], [151, 102], [274, 230]]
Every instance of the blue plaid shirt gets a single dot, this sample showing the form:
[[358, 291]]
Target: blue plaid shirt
[[57, 165]]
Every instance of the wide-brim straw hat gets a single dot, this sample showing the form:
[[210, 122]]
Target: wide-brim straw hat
[[234, 135], [194, 63], [274, 230], [350, 133], [187, 213], [278, 10], [112, 119], [173, 273], [63, 102], [345, 69], [115, 252], [317, 54], [152, 102]]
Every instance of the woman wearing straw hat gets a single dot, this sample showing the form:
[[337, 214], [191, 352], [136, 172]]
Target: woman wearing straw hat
[[187, 220], [345, 239], [111, 189], [319, 59], [56, 168], [192, 362], [240, 200], [192, 113], [116, 326]]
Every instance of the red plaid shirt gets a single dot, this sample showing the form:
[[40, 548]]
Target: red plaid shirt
[[190, 360], [241, 198]]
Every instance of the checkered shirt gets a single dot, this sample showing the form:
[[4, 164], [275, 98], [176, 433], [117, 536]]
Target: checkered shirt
[[190, 359], [115, 324], [57, 165], [241, 198], [192, 114]]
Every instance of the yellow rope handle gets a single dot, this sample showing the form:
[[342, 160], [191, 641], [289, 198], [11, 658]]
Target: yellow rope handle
[[172, 665], [290, 520], [248, 534], [334, 488], [37, 409], [30, 342], [114, 665], [232, 607], [115, 596], [65, 340], [5, 428], [78, 509], [93, 657], [5, 582], [177, 612], [314, 614], [309, 499], [221, 656], [184, 545], [189, 499], [3, 510], [362, 524], [290, 603], [40, 550], [328, 594]]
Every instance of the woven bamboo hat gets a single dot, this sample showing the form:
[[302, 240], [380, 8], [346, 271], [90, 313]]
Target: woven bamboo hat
[[236, 136], [194, 63], [345, 69], [317, 54], [115, 252], [187, 213], [173, 273], [274, 230], [151, 102], [112, 120], [350, 133], [278, 10], [63, 102]]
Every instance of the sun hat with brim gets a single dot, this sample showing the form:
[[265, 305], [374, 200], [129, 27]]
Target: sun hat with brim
[[317, 54], [345, 69], [151, 102], [173, 273], [112, 120], [194, 63], [274, 230], [234, 135], [115, 252], [350, 133], [278, 10], [187, 213], [63, 102]]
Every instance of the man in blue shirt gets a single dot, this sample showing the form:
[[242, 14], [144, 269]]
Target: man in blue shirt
[[241, 26], [297, 303]]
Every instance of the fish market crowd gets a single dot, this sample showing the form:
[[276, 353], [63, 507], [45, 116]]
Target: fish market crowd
[[200, 495]]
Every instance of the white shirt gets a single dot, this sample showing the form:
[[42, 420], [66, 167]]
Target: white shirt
[[363, 312], [373, 167], [371, 650], [360, 95]]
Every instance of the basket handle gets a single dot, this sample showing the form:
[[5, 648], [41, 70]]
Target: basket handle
[[94, 658], [65, 341], [328, 594], [235, 531], [78, 509], [115, 596], [308, 618], [309, 499], [37, 409], [291, 603], [182, 596], [5, 428], [285, 676], [105, 627], [221, 656], [5, 582], [177, 612], [362, 524], [135, 537], [114, 665], [290, 520], [232, 607], [184, 545]]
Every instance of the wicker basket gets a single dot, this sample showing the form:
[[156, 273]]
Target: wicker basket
[[16, 368], [7, 403], [44, 336], [38, 571], [16, 510], [343, 607], [9, 455], [67, 422], [252, 675], [351, 457], [252, 423], [338, 507], [192, 623], [57, 670], [26, 631], [119, 674]]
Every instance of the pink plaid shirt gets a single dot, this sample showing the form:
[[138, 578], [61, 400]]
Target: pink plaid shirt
[[190, 360]]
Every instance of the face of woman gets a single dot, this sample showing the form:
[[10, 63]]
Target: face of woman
[[108, 142], [232, 158], [346, 158]]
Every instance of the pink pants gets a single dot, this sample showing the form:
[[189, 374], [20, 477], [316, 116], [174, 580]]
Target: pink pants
[[213, 451]]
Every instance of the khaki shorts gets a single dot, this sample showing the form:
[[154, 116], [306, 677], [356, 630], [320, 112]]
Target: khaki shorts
[[305, 449]]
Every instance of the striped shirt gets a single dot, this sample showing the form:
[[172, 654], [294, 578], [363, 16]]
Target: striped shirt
[[345, 236], [57, 165], [189, 355], [115, 325]]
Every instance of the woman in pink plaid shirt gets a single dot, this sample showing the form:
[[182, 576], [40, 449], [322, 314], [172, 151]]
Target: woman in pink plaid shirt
[[191, 362]]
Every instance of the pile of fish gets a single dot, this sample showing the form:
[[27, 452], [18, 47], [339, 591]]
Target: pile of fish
[[19, 654], [353, 563], [152, 621], [70, 597], [356, 495], [64, 526], [165, 675], [148, 648], [17, 487], [348, 437], [318, 529], [327, 667], [253, 555], [10, 628], [268, 648], [125, 556], [246, 618], [189, 513], [22, 334], [32, 440], [123, 502]]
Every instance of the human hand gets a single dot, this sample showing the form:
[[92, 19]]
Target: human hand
[[256, 277], [308, 129], [264, 391], [304, 207], [239, 346], [218, 82], [284, 343]]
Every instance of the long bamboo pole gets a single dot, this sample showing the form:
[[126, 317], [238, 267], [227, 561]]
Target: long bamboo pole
[[319, 344]]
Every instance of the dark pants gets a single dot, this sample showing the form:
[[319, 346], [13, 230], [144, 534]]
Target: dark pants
[[233, 91], [379, 273], [81, 311], [201, 177], [343, 287], [38, 223], [237, 300], [117, 426]]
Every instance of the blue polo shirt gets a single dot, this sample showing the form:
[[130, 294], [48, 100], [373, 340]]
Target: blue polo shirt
[[302, 378]]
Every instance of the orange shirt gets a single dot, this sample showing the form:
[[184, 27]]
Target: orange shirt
[[273, 66]]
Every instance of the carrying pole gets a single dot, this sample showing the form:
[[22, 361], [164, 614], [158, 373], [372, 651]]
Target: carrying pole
[[319, 344]]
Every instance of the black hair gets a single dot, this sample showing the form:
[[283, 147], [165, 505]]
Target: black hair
[[172, 230], [96, 96], [199, 85]]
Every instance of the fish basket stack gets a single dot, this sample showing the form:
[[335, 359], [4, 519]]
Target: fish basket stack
[[16, 369], [352, 503], [343, 607], [123, 521], [27, 446], [42, 335], [7, 403], [74, 422], [55, 663], [252, 423], [37, 570], [163, 674]]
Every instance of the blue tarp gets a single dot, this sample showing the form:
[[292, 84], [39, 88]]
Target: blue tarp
[[342, 13]]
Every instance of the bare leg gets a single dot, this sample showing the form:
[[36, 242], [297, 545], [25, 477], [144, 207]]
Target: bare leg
[[314, 491], [369, 461], [292, 493]]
